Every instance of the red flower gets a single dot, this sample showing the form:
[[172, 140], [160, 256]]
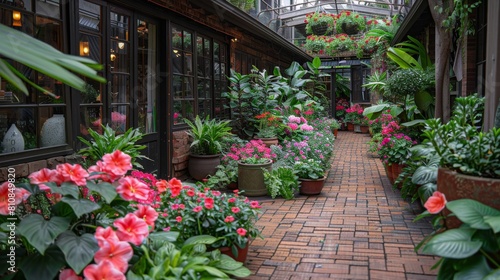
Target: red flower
[[117, 163], [105, 235], [209, 203], [73, 172], [19, 195], [131, 229], [116, 252], [178, 219], [104, 270], [197, 209], [44, 175], [254, 204], [229, 219], [241, 231], [435, 203], [235, 210], [161, 186], [131, 188], [147, 213], [175, 186]]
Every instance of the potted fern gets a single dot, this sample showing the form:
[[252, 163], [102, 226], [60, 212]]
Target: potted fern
[[207, 136]]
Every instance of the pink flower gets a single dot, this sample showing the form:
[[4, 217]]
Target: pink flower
[[293, 126], [175, 187], [117, 253], [435, 203], [231, 200], [147, 213], [229, 219], [235, 210], [69, 274], [19, 195], [190, 193], [254, 204], [178, 219], [131, 229], [241, 231], [104, 270], [105, 235], [117, 163], [44, 175], [162, 186], [209, 203], [306, 127], [197, 209], [73, 172], [131, 188]]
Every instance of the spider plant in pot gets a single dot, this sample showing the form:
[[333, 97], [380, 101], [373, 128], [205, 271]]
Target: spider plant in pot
[[207, 136]]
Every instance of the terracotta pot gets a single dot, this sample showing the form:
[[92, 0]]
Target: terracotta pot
[[251, 178], [200, 166], [269, 141], [335, 132], [455, 186], [396, 169], [232, 186], [388, 172], [350, 126], [311, 186], [365, 129], [241, 252]]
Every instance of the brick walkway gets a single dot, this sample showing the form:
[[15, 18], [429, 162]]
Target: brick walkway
[[357, 228]]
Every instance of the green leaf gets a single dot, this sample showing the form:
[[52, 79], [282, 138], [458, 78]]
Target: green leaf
[[424, 174], [66, 188], [106, 190], [81, 206], [403, 59], [473, 268], [36, 266], [453, 243], [472, 212], [373, 112], [62, 209], [423, 100], [316, 62], [447, 269], [170, 236], [200, 239], [228, 264], [212, 271], [40, 232], [494, 222], [426, 191], [414, 122], [79, 250], [494, 275], [240, 272]]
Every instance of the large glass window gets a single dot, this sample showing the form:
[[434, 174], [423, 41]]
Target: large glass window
[[39, 119], [197, 93], [146, 76]]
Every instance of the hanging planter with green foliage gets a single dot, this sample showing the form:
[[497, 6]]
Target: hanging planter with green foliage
[[320, 23]]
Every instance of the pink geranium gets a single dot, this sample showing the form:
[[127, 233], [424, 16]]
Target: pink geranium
[[117, 163], [118, 253], [132, 189], [105, 235], [44, 175], [73, 173], [104, 270], [241, 231], [147, 213], [131, 229]]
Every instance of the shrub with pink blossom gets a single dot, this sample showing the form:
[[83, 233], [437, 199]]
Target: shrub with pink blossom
[[395, 148], [354, 114], [254, 151]]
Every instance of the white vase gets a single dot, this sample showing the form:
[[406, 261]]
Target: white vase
[[53, 131], [13, 140]]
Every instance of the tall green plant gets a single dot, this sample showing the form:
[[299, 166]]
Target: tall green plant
[[109, 142], [207, 135], [240, 98]]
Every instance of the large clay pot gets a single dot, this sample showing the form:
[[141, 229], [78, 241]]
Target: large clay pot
[[311, 186], [241, 252], [251, 178], [200, 166], [335, 132], [457, 186], [350, 126], [365, 129], [396, 169]]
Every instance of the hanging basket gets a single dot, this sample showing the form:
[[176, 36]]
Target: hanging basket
[[350, 28], [322, 29]]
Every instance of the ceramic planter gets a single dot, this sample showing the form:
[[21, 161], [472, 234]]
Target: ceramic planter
[[200, 166], [251, 178], [241, 252], [455, 186], [311, 186]]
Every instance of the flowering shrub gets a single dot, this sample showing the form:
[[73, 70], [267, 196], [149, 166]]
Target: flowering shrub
[[341, 107], [383, 24], [395, 148], [354, 114], [383, 120], [318, 146], [320, 23], [366, 45], [350, 23], [192, 211], [339, 43], [269, 125], [254, 151], [316, 44]]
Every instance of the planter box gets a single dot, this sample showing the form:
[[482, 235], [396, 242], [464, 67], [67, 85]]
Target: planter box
[[457, 186]]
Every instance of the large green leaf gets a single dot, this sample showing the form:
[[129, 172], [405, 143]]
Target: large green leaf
[[240, 272], [200, 239], [475, 268], [40, 232], [453, 243], [426, 191], [447, 268], [81, 206], [403, 59], [44, 58], [494, 275], [106, 190], [494, 222], [472, 212], [37, 267], [423, 100], [170, 236], [373, 112], [79, 250], [424, 174], [414, 122], [66, 188]]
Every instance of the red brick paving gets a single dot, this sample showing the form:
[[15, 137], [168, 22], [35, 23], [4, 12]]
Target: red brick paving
[[357, 228]]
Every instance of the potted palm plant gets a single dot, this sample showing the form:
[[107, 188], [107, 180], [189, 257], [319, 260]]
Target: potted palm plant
[[207, 136]]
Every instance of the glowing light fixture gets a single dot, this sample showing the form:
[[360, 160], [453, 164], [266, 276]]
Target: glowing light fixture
[[16, 18], [84, 48]]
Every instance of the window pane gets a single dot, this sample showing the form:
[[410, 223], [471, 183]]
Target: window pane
[[183, 109], [90, 16], [177, 86], [119, 121], [176, 38], [119, 56], [188, 64], [120, 86], [176, 61], [50, 8], [147, 84], [119, 26], [187, 37], [90, 117]]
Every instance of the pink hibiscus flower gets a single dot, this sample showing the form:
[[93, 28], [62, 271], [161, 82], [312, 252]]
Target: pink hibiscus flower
[[131, 229], [104, 270]]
